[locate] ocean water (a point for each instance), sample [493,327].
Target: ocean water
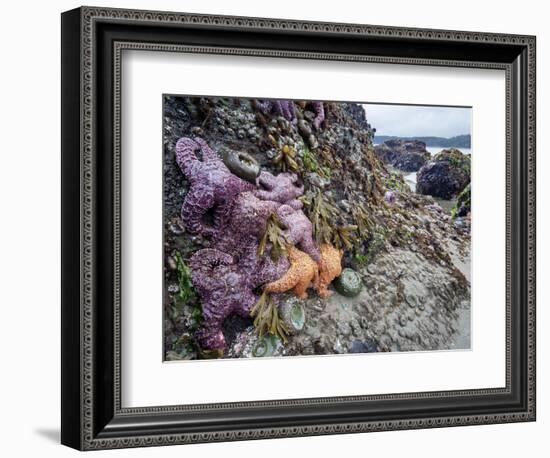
[433,150]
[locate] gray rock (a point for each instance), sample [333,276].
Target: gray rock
[358,346]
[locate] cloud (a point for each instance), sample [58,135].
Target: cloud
[420,121]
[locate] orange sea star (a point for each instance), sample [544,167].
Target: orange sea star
[330,267]
[302,271]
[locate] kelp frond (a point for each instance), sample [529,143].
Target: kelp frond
[344,236]
[327,224]
[274,235]
[186,291]
[321,214]
[362,220]
[267,318]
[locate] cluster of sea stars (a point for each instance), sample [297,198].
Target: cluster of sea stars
[227,275]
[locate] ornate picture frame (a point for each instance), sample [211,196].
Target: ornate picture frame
[93,416]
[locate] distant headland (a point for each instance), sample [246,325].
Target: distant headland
[459,141]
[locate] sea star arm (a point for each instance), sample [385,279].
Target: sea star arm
[196,204]
[208,154]
[265,106]
[295,204]
[319,114]
[186,157]
[288,281]
[292,112]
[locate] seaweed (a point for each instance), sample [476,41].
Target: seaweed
[456,159]
[210,354]
[311,162]
[267,318]
[275,235]
[327,222]
[182,348]
[344,236]
[362,220]
[329,159]
[327,172]
[308,160]
[186,291]
[361,258]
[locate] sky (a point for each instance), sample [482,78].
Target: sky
[419,121]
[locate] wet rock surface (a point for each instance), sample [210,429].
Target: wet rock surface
[412,257]
[445,176]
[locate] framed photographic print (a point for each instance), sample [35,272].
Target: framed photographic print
[277,228]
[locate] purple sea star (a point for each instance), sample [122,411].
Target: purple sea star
[389,197]
[299,230]
[246,224]
[284,108]
[283,188]
[226,287]
[319,110]
[213,186]
[220,285]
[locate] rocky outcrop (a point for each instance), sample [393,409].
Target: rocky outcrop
[405,155]
[319,183]
[445,176]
